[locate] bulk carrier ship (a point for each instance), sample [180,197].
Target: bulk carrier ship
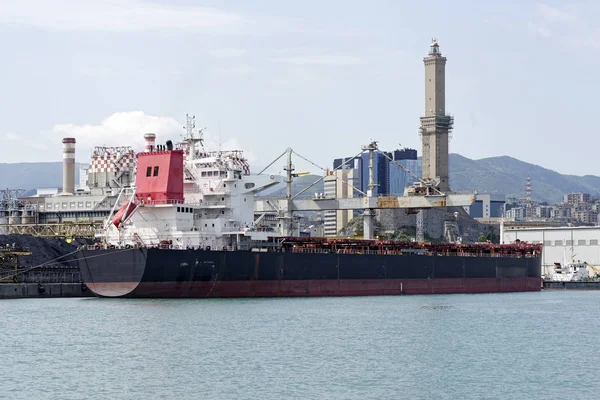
[187,230]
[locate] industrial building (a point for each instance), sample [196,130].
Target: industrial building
[560,243]
[110,169]
[339,184]
[389,177]
[78,210]
[487,206]
[400,178]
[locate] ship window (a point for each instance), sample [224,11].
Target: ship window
[88,204]
[156,171]
[569,243]
[213,225]
[593,242]
[203,173]
[244,199]
[581,243]
[558,242]
[547,242]
[149,171]
[223,212]
[178,209]
[205,225]
[209,173]
[249,185]
[222,198]
[224,185]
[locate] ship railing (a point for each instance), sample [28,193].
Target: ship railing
[401,252]
[160,202]
[213,203]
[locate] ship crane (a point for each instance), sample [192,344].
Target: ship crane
[422,195]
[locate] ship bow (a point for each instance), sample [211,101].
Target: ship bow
[113,272]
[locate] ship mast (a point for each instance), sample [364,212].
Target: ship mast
[192,138]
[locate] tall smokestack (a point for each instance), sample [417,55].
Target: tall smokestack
[68,165]
[150,139]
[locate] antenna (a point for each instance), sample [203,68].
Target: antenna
[528,197]
[190,125]
[192,138]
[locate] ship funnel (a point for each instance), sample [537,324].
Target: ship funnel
[68,165]
[169,145]
[150,139]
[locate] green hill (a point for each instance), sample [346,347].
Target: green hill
[507,176]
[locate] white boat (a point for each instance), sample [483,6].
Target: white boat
[570,272]
[574,271]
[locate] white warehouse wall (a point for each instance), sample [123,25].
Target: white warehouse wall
[580,242]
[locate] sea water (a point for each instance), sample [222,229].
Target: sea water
[485,346]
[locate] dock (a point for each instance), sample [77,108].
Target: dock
[571,285]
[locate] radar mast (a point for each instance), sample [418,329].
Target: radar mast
[192,137]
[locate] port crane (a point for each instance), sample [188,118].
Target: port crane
[425,194]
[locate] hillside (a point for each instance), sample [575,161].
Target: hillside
[29,176]
[507,176]
[300,183]
[496,175]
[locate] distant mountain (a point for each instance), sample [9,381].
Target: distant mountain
[496,175]
[504,176]
[300,183]
[30,176]
[507,176]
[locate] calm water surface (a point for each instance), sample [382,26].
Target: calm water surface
[494,346]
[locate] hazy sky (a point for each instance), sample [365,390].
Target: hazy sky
[322,77]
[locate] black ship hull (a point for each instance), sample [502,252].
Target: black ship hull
[163,273]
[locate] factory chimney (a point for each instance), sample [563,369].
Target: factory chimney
[68,165]
[150,139]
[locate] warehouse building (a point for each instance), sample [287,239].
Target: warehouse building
[560,243]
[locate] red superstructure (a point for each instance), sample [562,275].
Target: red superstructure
[159,177]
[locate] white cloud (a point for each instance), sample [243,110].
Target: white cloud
[118,16]
[553,14]
[551,21]
[227,53]
[119,129]
[332,60]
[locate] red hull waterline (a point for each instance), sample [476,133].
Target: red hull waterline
[313,288]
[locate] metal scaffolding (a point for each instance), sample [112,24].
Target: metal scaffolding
[65,230]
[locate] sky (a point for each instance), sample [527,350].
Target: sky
[321,77]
